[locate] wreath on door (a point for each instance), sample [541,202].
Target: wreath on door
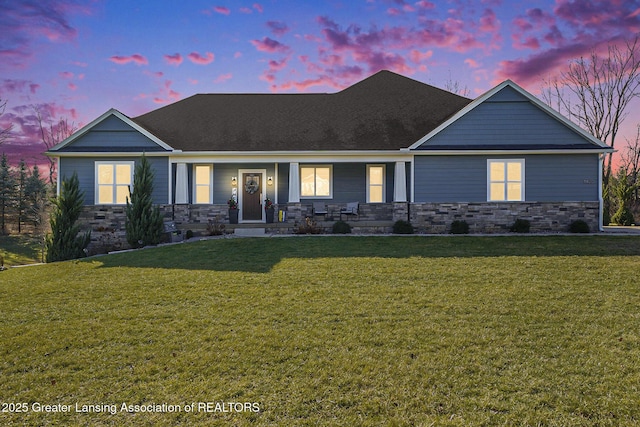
[251,185]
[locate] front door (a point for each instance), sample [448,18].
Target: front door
[252,196]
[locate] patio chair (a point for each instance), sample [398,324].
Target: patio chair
[319,208]
[352,209]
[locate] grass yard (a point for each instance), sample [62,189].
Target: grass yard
[20,249]
[459,331]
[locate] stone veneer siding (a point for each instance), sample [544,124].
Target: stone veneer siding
[107,223]
[499,217]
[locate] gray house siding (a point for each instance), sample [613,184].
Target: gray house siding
[548,178]
[112,134]
[350,182]
[85,168]
[506,120]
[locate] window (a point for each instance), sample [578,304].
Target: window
[505,180]
[375,184]
[113,180]
[315,181]
[202,180]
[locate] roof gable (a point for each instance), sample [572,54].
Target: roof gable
[111,132]
[508,118]
[383,112]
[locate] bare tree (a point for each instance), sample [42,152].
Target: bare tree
[52,134]
[630,161]
[4,133]
[596,91]
[456,87]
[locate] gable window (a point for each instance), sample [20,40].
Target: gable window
[113,180]
[315,181]
[375,184]
[202,184]
[505,180]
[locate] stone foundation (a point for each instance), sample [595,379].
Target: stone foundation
[436,218]
[107,223]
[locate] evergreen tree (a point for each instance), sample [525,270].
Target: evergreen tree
[624,193]
[36,197]
[144,222]
[7,192]
[21,200]
[64,243]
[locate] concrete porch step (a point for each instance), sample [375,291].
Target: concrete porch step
[250,232]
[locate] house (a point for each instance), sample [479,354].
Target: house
[401,148]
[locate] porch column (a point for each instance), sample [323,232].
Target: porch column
[182,185]
[400,183]
[294,183]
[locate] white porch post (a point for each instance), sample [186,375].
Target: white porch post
[294,183]
[182,185]
[400,183]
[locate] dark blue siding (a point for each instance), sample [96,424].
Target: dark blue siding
[112,134]
[85,168]
[547,178]
[507,120]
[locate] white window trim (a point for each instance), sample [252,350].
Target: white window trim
[384,182]
[330,167]
[195,184]
[522,179]
[112,163]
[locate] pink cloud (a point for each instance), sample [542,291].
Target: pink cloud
[237,55]
[135,58]
[66,75]
[258,7]
[72,86]
[175,59]
[11,86]
[278,28]
[26,23]
[426,4]
[277,65]
[472,63]
[246,10]
[166,95]
[223,78]
[196,58]
[489,22]
[417,57]
[269,45]
[155,74]
[222,10]
[304,85]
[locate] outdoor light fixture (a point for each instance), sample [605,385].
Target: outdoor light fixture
[234,181]
[270,180]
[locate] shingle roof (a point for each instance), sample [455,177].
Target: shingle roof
[383,112]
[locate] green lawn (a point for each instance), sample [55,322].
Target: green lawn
[20,249]
[457,331]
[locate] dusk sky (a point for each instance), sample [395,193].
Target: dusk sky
[76,59]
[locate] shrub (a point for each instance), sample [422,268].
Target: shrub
[341,227]
[459,227]
[144,224]
[579,226]
[63,242]
[215,227]
[623,216]
[403,227]
[309,227]
[189,234]
[520,226]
